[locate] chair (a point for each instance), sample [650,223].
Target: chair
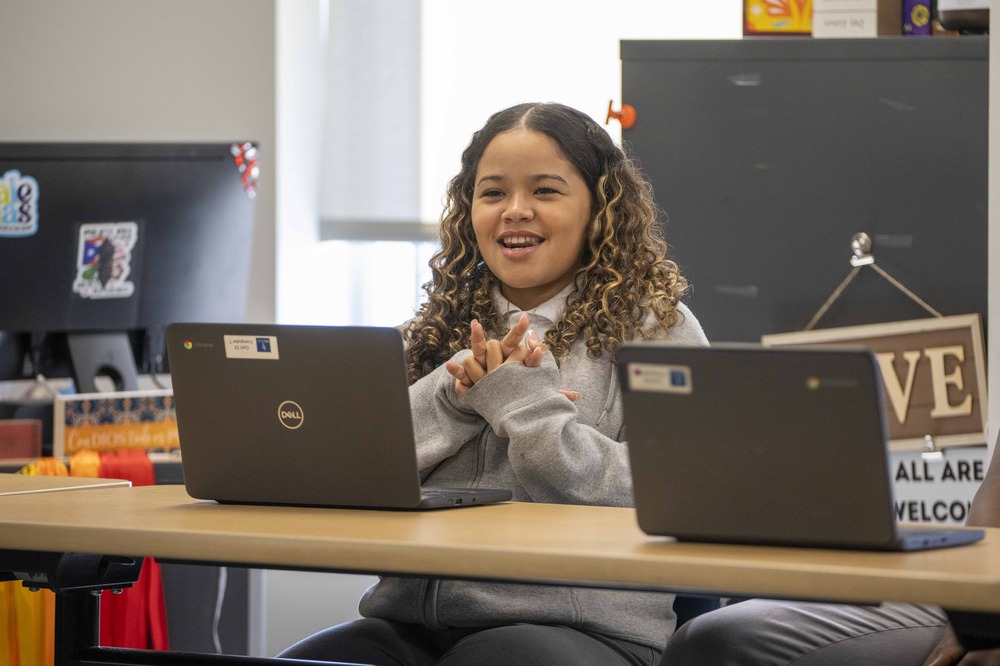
[690,606]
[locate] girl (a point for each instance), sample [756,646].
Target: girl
[549,227]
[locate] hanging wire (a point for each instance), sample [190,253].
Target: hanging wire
[861,245]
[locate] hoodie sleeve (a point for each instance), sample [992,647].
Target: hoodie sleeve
[555,458]
[441,423]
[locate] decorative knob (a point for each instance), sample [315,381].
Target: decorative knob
[626,116]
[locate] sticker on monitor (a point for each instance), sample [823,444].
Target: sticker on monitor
[104,260]
[18,205]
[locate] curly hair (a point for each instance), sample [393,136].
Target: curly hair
[623,273]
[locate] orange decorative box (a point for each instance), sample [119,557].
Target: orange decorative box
[777,17]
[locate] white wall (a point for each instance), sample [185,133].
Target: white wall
[118,70]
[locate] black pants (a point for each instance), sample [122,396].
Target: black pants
[387,643]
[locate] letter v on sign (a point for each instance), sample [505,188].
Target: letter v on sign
[899,396]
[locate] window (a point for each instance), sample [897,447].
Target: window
[408,83]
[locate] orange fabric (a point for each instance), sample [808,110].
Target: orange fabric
[28,618]
[85,463]
[10,655]
[49,630]
[45,467]
[30,608]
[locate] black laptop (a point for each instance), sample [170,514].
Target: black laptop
[303,415]
[753,445]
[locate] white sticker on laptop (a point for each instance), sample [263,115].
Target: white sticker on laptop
[251,346]
[659,378]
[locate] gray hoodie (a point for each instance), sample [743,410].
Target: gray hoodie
[515,430]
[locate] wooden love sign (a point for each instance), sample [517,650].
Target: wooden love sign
[933,371]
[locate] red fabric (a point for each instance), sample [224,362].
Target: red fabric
[136,618]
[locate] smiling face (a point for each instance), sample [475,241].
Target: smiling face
[530,211]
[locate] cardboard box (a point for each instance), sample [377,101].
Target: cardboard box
[823,6]
[857,18]
[111,421]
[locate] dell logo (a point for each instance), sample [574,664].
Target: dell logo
[290,415]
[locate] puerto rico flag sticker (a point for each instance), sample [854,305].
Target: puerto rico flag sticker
[104,260]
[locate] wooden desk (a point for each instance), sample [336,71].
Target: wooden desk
[516,542]
[19,484]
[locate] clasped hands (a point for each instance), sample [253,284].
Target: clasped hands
[488,355]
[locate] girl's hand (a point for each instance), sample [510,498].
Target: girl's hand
[950,652]
[488,355]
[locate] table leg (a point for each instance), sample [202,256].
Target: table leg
[77,624]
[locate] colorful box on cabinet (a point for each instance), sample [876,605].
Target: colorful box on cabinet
[917,19]
[777,17]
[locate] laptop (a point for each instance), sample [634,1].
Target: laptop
[301,415]
[753,445]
